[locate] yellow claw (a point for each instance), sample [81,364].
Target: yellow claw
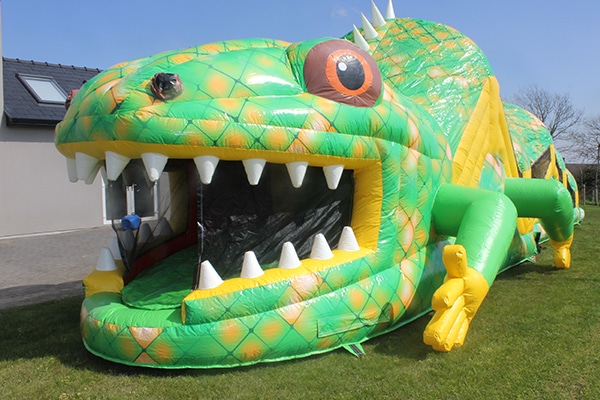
[562,253]
[455,302]
[455,260]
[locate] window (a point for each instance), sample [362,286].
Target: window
[43,88]
[132,193]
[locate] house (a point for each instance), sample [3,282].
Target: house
[586,176]
[35,193]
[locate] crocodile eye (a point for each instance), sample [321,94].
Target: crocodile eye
[166,86]
[340,71]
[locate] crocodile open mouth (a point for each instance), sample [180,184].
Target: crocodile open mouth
[240,207]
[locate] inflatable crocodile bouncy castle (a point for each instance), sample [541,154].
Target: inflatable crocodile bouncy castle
[274,200]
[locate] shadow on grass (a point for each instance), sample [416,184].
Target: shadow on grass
[527,268]
[51,329]
[404,343]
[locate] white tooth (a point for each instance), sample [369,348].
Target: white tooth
[348,241]
[206,166]
[106,262]
[103,174]
[114,248]
[289,258]
[72,170]
[92,176]
[209,278]
[115,164]
[145,234]
[369,31]
[378,19]
[155,164]
[251,268]
[87,167]
[390,13]
[254,169]
[320,249]
[297,170]
[163,228]
[128,240]
[333,173]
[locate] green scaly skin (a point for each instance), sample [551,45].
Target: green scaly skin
[248,99]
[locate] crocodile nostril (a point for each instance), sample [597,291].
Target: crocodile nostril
[166,86]
[70,96]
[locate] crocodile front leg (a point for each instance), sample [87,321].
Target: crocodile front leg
[483,223]
[550,201]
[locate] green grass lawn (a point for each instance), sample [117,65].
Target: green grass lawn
[537,335]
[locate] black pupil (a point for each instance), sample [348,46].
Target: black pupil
[350,72]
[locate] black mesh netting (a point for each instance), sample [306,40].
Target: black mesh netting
[236,217]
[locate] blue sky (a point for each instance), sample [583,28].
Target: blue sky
[554,44]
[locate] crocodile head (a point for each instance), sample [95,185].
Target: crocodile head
[259,147]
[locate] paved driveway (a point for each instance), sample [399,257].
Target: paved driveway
[34,269]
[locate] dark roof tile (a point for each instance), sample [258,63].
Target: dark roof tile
[19,104]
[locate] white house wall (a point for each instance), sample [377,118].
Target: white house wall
[35,193]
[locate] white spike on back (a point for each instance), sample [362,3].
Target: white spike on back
[297,170]
[106,262]
[206,166]
[115,164]
[320,249]
[359,40]
[72,170]
[209,277]
[378,19]
[87,167]
[155,164]
[390,13]
[288,258]
[333,174]
[254,168]
[369,31]
[251,268]
[348,241]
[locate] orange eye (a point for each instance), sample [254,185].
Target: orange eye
[340,71]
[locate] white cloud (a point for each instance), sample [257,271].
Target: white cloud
[339,12]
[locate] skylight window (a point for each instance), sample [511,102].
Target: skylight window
[43,88]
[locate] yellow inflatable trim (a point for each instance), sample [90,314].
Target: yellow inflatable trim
[104,281]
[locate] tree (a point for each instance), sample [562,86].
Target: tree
[584,143]
[584,147]
[555,110]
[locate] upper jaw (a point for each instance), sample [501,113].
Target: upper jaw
[85,168]
[111,145]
